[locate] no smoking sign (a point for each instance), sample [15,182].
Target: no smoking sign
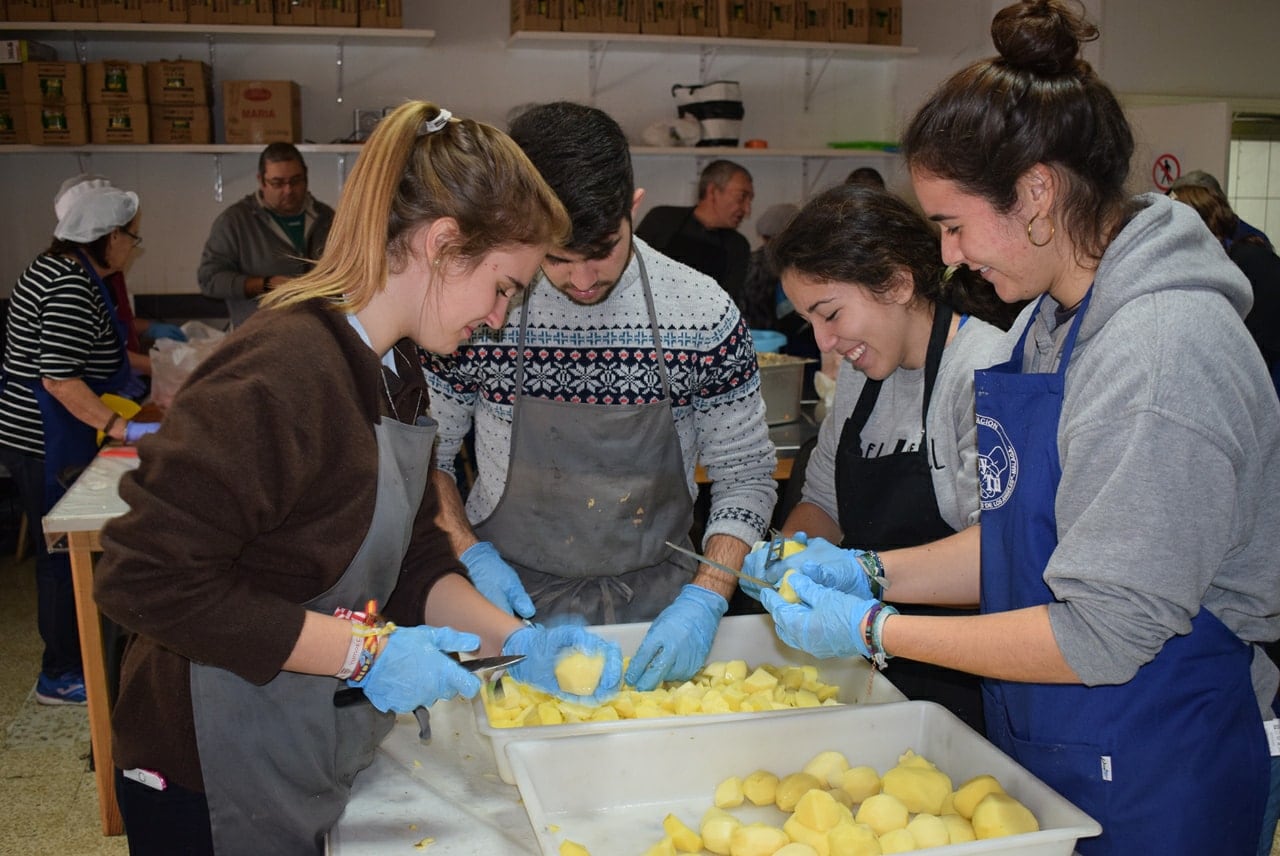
[1165,171]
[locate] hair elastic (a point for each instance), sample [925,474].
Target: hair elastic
[436,123]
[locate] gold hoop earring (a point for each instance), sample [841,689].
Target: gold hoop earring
[1033,241]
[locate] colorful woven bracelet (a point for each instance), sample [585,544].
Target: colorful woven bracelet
[870,561]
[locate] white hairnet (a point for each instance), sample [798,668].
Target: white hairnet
[89,206]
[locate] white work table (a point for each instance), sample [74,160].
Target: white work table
[447,790]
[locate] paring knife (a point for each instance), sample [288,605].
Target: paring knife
[719,567]
[482,666]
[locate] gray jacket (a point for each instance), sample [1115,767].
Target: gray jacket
[1169,440]
[246,241]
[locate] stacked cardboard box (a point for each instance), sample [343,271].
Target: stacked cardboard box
[164,11]
[778,19]
[209,11]
[581,16]
[385,14]
[849,19]
[29,10]
[700,18]
[661,17]
[180,93]
[120,11]
[75,10]
[296,13]
[253,12]
[262,111]
[53,95]
[338,13]
[117,94]
[536,15]
[885,23]
[620,16]
[13,117]
[813,20]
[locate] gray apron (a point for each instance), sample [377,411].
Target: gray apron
[279,760]
[593,491]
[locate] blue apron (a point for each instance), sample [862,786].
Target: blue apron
[69,444]
[1172,761]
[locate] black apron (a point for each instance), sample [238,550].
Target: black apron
[279,760]
[593,494]
[888,502]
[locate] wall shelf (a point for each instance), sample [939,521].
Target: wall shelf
[817,55]
[230,33]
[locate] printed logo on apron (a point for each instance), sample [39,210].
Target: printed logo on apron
[998,466]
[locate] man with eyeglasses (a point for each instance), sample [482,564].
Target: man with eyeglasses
[706,236]
[266,238]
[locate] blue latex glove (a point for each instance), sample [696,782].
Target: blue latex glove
[413,671]
[135,431]
[846,572]
[161,330]
[826,622]
[496,580]
[544,646]
[678,641]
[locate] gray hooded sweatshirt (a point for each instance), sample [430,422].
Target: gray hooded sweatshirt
[1169,440]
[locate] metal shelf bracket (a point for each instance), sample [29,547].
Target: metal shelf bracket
[811,78]
[706,59]
[339,69]
[595,62]
[217,178]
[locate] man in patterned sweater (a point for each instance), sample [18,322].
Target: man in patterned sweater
[619,373]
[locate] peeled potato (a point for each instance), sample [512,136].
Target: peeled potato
[959,829]
[785,589]
[853,839]
[898,841]
[579,673]
[757,839]
[792,787]
[682,837]
[921,789]
[828,767]
[883,813]
[998,815]
[795,848]
[662,848]
[760,787]
[572,848]
[968,795]
[818,810]
[728,793]
[717,830]
[860,782]
[797,831]
[928,830]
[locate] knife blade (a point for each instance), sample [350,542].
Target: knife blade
[719,567]
[482,666]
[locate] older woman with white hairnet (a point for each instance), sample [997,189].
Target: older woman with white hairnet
[64,347]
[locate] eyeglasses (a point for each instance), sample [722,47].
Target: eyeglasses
[282,183]
[137,239]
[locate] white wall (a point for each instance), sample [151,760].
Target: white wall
[470,69]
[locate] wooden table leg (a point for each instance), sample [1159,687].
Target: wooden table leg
[81,545]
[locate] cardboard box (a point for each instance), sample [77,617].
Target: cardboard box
[700,18]
[779,19]
[383,14]
[661,17]
[620,16]
[813,20]
[25,50]
[849,20]
[119,124]
[164,11]
[742,19]
[52,83]
[179,81]
[75,10]
[209,11]
[120,11]
[10,84]
[115,81]
[13,125]
[885,23]
[57,124]
[536,14]
[176,125]
[258,13]
[29,10]
[338,13]
[580,16]
[295,13]
[262,111]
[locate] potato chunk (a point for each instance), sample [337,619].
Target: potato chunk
[860,782]
[757,839]
[717,830]
[760,787]
[921,789]
[572,848]
[998,815]
[969,794]
[818,810]
[728,793]
[579,673]
[928,830]
[785,589]
[853,839]
[662,848]
[792,787]
[682,837]
[827,767]
[883,813]
[897,841]
[959,829]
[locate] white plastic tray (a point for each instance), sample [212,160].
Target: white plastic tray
[610,791]
[740,637]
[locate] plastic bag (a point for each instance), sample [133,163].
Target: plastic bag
[716,105]
[172,362]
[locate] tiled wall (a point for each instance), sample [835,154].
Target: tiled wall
[1253,185]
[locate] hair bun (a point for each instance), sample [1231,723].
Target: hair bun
[1041,36]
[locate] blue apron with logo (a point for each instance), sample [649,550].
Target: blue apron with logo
[1172,761]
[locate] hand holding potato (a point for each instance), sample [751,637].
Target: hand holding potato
[545,647]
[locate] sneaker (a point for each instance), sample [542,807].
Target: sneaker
[66,689]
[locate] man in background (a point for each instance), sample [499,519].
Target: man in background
[705,236]
[1200,178]
[266,238]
